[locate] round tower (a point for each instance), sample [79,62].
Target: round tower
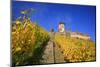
[61,27]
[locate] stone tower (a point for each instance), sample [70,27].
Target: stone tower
[61,27]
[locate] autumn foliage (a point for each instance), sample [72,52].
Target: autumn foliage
[28,42]
[76,50]
[25,42]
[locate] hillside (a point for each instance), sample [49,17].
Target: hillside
[76,50]
[28,43]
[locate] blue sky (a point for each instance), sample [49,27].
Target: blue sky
[78,18]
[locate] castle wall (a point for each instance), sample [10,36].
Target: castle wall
[80,36]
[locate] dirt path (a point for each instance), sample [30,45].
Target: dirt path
[48,56]
[52,54]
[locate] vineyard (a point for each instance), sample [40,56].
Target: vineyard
[27,43]
[29,40]
[76,50]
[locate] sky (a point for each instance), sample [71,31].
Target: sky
[77,18]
